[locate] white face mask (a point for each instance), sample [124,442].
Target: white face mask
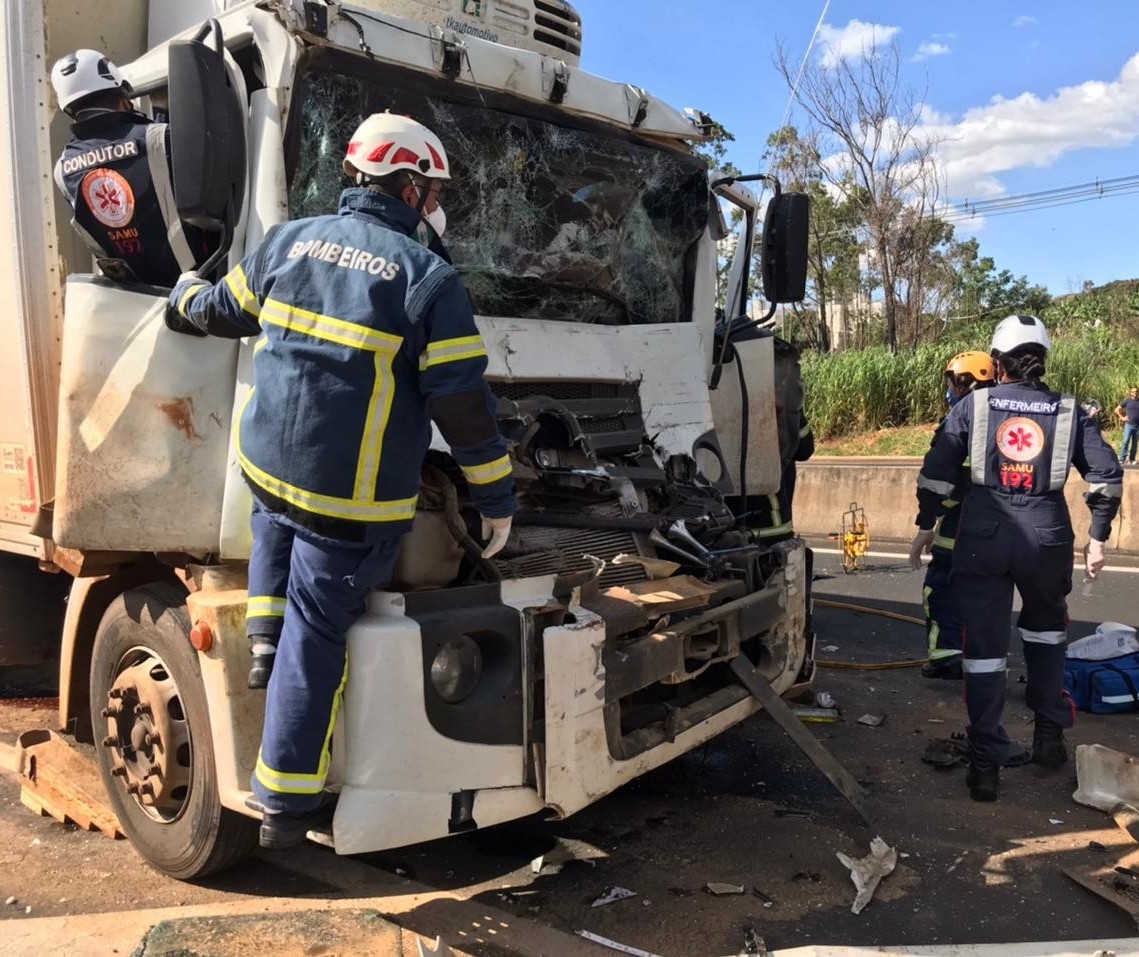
[437,220]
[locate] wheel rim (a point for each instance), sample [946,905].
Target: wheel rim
[148,736]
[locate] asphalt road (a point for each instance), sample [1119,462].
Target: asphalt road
[967,873]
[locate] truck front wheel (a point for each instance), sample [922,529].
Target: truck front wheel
[152,735]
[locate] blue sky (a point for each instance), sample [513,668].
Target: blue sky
[1028,96]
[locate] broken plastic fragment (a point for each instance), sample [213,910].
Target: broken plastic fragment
[612,894]
[867,872]
[721,889]
[872,720]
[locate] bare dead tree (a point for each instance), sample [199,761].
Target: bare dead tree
[880,159]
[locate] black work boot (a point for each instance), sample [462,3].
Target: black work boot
[1048,747]
[264,652]
[948,669]
[983,778]
[283,829]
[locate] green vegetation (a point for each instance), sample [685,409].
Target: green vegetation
[1095,356]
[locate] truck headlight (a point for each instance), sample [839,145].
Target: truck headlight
[456,670]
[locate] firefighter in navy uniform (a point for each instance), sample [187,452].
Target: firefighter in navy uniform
[1015,531]
[115,174]
[965,372]
[365,337]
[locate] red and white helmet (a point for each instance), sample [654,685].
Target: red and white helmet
[386,143]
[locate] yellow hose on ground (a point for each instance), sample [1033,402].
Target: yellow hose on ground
[869,666]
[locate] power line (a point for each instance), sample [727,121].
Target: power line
[1042,199]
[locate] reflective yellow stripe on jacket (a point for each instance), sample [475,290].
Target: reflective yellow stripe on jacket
[361,507]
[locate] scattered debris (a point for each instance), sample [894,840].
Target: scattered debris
[1105,778]
[945,753]
[611,894]
[872,720]
[1127,817]
[824,699]
[720,889]
[817,715]
[813,876]
[440,949]
[10,901]
[1096,846]
[867,872]
[754,944]
[680,892]
[1054,820]
[566,851]
[935,721]
[784,811]
[28,909]
[613,945]
[829,648]
[1113,880]
[768,900]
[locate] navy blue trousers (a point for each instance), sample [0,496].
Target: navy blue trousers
[268,575]
[328,583]
[942,616]
[1026,545]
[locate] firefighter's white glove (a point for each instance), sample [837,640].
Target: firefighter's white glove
[191,274]
[1094,557]
[921,543]
[498,531]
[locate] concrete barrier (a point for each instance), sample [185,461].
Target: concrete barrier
[886,489]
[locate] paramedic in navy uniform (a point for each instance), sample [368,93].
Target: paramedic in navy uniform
[1021,440]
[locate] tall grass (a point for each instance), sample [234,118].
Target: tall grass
[868,389]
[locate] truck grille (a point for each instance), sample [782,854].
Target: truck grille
[559,551]
[558,24]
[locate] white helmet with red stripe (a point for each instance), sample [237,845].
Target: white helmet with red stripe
[386,143]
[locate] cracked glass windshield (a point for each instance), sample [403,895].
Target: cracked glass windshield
[543,221]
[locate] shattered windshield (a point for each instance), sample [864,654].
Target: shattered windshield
[544,221]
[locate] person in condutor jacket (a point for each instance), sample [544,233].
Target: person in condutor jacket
[115,174]
[1021,440]
[365,337]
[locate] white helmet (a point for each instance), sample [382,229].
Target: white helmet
[385,143]
[82,73]
[1015,331]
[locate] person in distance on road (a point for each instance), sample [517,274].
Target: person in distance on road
[1021,440]
[1127,412]
[964,373]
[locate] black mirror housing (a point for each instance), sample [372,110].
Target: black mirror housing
[785,248]
[207,135]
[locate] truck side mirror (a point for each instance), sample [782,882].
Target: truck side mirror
[785,248]
[207,136]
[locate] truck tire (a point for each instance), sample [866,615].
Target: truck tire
[153,738]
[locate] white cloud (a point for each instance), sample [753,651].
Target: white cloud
[855,40]
[1032,131]
[926,50]
[1024,20]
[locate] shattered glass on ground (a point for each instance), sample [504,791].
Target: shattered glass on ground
[544,222]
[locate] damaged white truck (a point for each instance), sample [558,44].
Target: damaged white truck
[597,645]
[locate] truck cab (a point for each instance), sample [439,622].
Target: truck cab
[597,645]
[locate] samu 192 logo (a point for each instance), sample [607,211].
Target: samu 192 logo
[473,8]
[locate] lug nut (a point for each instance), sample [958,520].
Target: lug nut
[142,709]
[154,769]
[118,772]
[147,788]
[110,741]
[132,788]
[115,693]
[153,740]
